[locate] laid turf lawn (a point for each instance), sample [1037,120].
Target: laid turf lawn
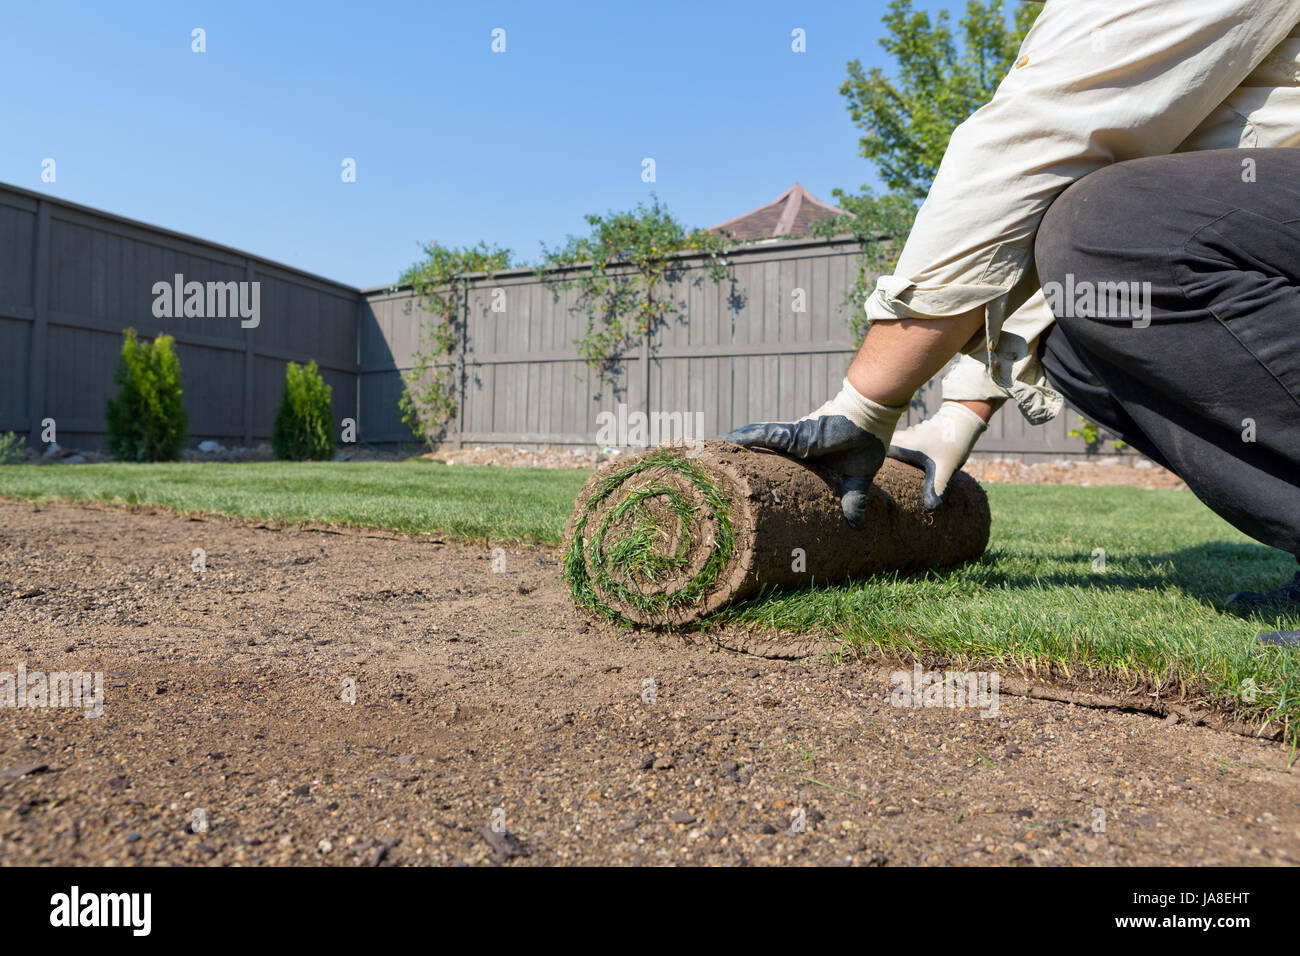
[1042,600]
[477,503]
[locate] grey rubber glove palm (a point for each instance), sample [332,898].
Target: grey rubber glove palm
[940,445]
[849,434]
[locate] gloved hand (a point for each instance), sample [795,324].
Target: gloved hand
[940,445]
[849,434]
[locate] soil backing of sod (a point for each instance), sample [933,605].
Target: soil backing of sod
[672,535]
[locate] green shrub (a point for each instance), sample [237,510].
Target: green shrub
[11,448]
[147,421]
[304,422]
[1091,435]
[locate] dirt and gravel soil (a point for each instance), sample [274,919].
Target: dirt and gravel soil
[1135,472]
[481,699]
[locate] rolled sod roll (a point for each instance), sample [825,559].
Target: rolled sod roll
[669,536]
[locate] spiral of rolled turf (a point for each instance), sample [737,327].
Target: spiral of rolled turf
[671,535]
[650,539]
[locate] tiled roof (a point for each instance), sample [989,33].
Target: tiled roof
[790,214]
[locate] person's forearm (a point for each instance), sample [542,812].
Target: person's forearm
[898,356]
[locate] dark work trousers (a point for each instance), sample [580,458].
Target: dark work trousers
[1200,368]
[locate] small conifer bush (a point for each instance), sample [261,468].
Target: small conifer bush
[303,424]
[147,420]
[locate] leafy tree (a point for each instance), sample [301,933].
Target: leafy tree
[908,120]
[147,420]
[304,422]
[619,270]
[429,399]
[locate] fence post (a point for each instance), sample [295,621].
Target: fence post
[358,332]
[249,366]
[645,359]
[460,368]
[36,367]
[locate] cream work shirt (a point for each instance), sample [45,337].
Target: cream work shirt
[1095,82]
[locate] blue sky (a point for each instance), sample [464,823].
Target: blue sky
[244,144]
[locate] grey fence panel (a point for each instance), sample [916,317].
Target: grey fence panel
[18,234]
[390,336]
[728,353]
[72,279]
[15,346]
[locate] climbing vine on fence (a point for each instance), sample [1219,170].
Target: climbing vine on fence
[618,269]
[439,281]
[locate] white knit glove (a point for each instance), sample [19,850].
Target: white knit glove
[940,445]
[849,433]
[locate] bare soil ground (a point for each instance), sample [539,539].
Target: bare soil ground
[481,696]
[1135,472]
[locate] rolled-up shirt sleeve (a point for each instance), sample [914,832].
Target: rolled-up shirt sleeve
[1095,82]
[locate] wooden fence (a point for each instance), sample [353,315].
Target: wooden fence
[72,278]
[770,342]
